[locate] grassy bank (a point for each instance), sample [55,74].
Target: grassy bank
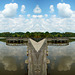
[71,40]
[3,40]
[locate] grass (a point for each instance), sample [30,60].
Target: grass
[3,40]
[71,40]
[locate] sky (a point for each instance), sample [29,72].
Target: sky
[37,15]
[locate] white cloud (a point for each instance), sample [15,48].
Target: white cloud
[37,9]
[52,24]
[23,8]
[64,10]
[21,16]
[34,16]
[40,16]
[37,16]
[28,15]
[10,10]
[73,15]
[46,15]
[39,22]
[51,8]
[53,16]
[1,15]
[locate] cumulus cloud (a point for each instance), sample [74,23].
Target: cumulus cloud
[21,16]
[23,8]
[1,15]
[10,10]
[73,15]
[46,15]
[40,16]
[64,10]
[37,9]
[39,22]
[53,16]
[34,16]
[52,24]
[37,16]
[51,8]
[28,15]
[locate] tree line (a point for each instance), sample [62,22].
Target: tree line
[37,34]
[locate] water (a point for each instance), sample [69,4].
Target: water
[12,60]
[62,59]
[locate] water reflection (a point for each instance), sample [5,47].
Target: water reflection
[9,63]
[65,63]
[62,59]
[12,58]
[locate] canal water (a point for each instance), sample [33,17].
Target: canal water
[62,59]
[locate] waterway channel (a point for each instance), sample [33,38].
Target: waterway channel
[62,59]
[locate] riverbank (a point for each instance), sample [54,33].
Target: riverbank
[2,37]
[71,37]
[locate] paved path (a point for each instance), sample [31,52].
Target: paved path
[37,61]
[37,45]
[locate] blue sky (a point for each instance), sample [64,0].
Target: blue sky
[44,4]
[37,15]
